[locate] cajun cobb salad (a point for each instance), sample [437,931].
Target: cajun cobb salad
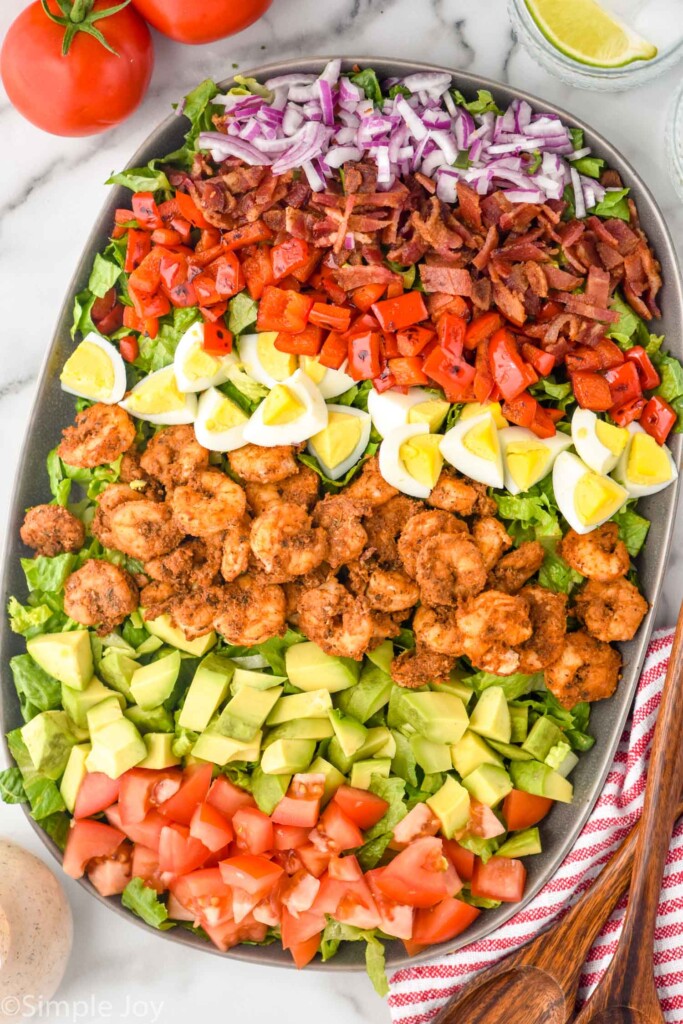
[341,539]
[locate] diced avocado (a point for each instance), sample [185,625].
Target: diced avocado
[150,719]
[489,784]
[511,752]
[285,757]
[301,729]
[314,704]
[208,689]
[333,778]
[363,771]
[49,737]
[172,635]
[309,668]
[244,715]
[114,642]
[370,693]
[456,688]
[543,735]
[268,790]
[149,645]
[439,717]
[74,773]
[382,656]
[431,757]
[211,746]
[521,844]
[104,712]
[519,720]
[152,684]
[451,805]
[491,715]
[540,779]
[159,752]
[77,703]
[256,680]
[117,670]
[116,747]
[562,759]
[66,657]
[350,734]
[388,748]
[470,752]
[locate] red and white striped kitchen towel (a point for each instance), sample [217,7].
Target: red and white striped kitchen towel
[418,992]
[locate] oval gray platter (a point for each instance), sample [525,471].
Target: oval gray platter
[53,409]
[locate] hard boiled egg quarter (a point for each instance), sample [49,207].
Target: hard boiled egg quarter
[95,370]
[393,409]
[598,443]
[157,399]
[527,458]
[410,460]
[263,361]
[292,412]
[220,422]
[340,444]
[330,383]
[195,368]
[585,498]
[644,467]
[473,447]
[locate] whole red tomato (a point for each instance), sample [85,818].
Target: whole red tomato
[87,89]
[201,21]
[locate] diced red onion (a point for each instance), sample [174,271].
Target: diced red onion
[415,125]
[579,153]
[579,203]
[348,92]
[301,93]
[430,81]
[384,174]
[342,155]
[432,161]
[525,195]
[292,120]
[287,81]
[331,72]
[315,179]
[446,144]
[349,241]
[326,102]
[222,146]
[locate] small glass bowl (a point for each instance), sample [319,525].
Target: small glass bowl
[583,76]
[674,143]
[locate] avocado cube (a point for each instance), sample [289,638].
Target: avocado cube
[368,696]
[382,656]
[116,747]
[66,657]
[519,722]
[363,771]
[73,776]
[510,751]
[451,805]
[268,790]
[456,688]
[104,712]
[244,715]
[350,734]
[309,668]
[163,628]
[152,684]
[150,645]
[491,715]
[159,751]
[541,780]
[543,735]
[313,704]
[150,719]
[285,757]
[431,757]
[489,784]
[77,703]
[388,748]
[219,749]
[439,717]
[521,844]
[562,759]
[117,669]
[301,729]
[471,751]
[49,738]
[208,689]
[333,778]
[257,680]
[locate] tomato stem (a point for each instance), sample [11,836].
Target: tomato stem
[79,16]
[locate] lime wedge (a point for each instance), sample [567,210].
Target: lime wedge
[584,31]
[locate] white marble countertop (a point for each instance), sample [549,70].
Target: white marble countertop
[50,192]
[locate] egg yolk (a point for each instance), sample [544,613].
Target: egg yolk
[281,406]
[200,363]
[225,415]
[476,409]
[156,394]
[278,365]
[89,369]
[482,440]
[647,461]
[312,368]
[614,438]
[432,412]
[422,458]
[338,439]
[597,497]
[527,462]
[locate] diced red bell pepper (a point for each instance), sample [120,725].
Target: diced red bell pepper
[205,289]
[107,312]
[390,344]
[510,372]
[146,305]
[123,219]
[258,270]
[365,296]
[304,272]
[166,236]
[404,311]
[146,277]
[334,351]
[450,331]
[411,340]
[543,424]
[217,338]
[215,312]
[592,391]
[658,418]
[481,328]
[138,246]
[304,343]
[289,255]
[627,413]
[334,318]
[581,357]
[229,275]
[146,211]
[129,348]
[624,384]
[190,211]
[649,378]
[454,375]
[283,310]
[384,381]
[408,372]
[209,238]
[131,320]
[520,410]
[182,227]
[609,354]
[394,289]
[365,355]
[484,384]
[542,362]
[250,234]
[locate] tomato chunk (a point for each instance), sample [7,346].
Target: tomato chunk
[180,852]
[211,828]
[88,839]
[253,830]
[95,793]
[522,810]
[336,831]
[255,874]
[360,805]
[462,859]
[226,797]
[501,878]
[420,875]
[443,921]
[182,805]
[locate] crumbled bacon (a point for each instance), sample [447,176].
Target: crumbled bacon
[451,280]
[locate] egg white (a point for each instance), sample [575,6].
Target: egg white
[193,339]
[170,417]
[620,473]
[588,445]
[554,445]
[216,440]
[312,420]
[333,382]
[251,361]
[567,472]
[390,409]
[391,465]
[335,472]
[485,471]
[119,367]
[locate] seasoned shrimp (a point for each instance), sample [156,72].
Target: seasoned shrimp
[194,612]
[173,456]
[599,555]
[100,594]
[142,529]
[464,497]
[514,569]
[109,499]
[342,625]
[421,526]
[370,486]
[449,567]
[548,614]
[302,488]
[235,549]
[257,465]
[286,543]
[156,598]
[101,433]
[208,503]
[611,611]
[492,625]
[417,668]
[384,525]
[340,518]
[390,590]
[437,630]
[251,612]
[51,530]
[586,670]
[491,538]
[196,561]
[295,588]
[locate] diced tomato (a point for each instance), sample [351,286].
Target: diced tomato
[228,798]
[418,822]
[542,362]
[141,789]
[407,371]
[461,859]
[295,930]
[365,355]
[412,948]
[349,902]
[521,409]
[228,275]
[138,246]
[625,414]
[190,211]
[420,875]
[658,418]
[111,876]
[95,793]
[335,831]
[289,255]
[481,327]
[510,372]
[255,874]
[182,805]
[454,375]
[249,234]
[592,391]
[366,296]
[609,354]
[361,806]
[404,311]
[88,839]
[313,859]
[299,892]
[253,830]
[624,384]
[395,918]
[230,934]
[483,822]
[217,338]
[146,867]
[258,270]
[303,952]
[205,895]
[334,318]
[501,878]
[450,331]
[304,343]
[522,810]
[443,921]
[289,837]
[146,211]
[649,377]
[211,828]
[129,348]
[297,812]
[179,852]
[147,832]
[283,310]
[345,869]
